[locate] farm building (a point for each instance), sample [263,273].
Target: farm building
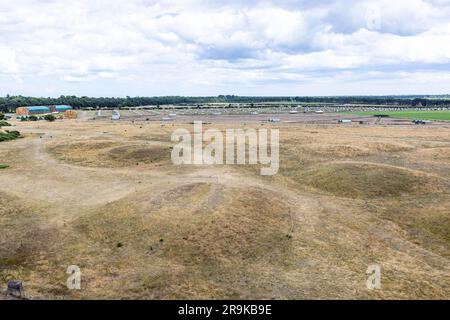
[34,110]
[60,108]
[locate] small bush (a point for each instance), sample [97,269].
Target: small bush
[2,116]
[32,118]
[49,117]
[3,166]
[9,135]
[4,124]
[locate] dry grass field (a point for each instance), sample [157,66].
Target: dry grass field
[106,197]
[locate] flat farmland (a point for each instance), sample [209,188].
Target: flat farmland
[419,115]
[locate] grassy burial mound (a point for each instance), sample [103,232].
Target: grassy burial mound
[369,180]
[24,235]
[110,153]
[435,154]
[335,151]
[131,154]
[191,240]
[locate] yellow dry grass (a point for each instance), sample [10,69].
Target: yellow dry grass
[345,198]
[369,180]
[110,153]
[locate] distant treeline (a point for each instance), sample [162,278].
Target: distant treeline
[10,103]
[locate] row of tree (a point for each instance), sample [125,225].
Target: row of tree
[10,103]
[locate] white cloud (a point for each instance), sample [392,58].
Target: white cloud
[8,62]
[144,47]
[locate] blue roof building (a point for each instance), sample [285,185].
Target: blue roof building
[62,108]
[38,110]
[29,110]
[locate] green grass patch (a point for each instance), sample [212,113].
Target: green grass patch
[3,166]
[4,124]
[419,115]
[9,135]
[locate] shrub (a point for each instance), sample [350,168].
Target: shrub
[49,117]
[32,118]
[3,166]
[4,124]
[2,116]
[9,135]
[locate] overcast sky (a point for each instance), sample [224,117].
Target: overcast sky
[194,47]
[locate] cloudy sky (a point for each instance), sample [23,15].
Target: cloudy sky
[196,47]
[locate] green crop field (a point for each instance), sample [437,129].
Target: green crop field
[419,115]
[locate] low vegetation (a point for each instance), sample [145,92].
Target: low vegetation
[9,135]
[4,124]
[49,117]
[3,166]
